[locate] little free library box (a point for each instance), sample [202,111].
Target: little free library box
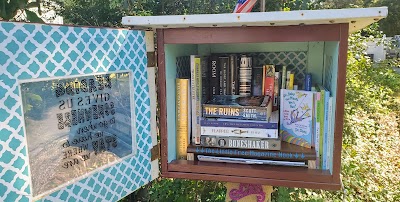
[78,104]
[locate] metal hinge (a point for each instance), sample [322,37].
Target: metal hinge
[155,152]
[151,59]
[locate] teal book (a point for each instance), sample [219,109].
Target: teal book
[296,117]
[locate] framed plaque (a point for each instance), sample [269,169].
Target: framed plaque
[77,125]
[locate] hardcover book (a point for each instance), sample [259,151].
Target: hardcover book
[296,117]
[240,142]
[239,107]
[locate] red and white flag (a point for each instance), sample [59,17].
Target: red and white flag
[244,6]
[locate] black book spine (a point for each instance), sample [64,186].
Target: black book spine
[224,82]
[205,85]
[233,75]
[214,72]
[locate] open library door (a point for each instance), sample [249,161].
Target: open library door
[77,113]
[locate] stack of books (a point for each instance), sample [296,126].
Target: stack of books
[238,113]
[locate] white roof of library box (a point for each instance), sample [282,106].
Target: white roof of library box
[358,18]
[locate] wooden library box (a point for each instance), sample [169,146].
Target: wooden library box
[312,42]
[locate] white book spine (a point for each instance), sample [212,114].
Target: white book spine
[330,142]
[239,132]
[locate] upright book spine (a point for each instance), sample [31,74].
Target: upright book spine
[233,75]
[245,71]
[283,86]
[196,97]
[205,84]
[276,92]
[214,76]
[224,82]
[257,81]
[182,117]
[307,82]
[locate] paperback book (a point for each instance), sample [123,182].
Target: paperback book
[296,117]
[239,107]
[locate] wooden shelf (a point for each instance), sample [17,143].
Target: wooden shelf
[262,174]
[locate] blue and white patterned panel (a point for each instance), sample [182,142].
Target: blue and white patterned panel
[30,51]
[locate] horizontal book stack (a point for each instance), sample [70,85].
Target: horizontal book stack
[242,113]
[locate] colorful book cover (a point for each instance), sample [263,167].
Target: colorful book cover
[182,117]
[239,107]
[296,117]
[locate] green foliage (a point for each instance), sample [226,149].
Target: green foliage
[9,9]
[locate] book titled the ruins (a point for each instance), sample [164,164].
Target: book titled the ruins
[239,107]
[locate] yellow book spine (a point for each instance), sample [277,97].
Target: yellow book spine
[182,117]
[291,81]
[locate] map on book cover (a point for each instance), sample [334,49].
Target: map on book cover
[296,117]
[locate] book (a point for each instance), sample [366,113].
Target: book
[233,75]
[240,142]
[239,107]
[182,117]
[283,86]
[317,122]
[205,84]
[195,85]
[307,82]
[237,123]
[276,92]
[324,119]
[287,79]
[245,70]
[258,81]
[287,152]
[269,82]
[330,141]
[250,161]
[296,117]
[214,72]
[224,75]
[291,82]
[239,132]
